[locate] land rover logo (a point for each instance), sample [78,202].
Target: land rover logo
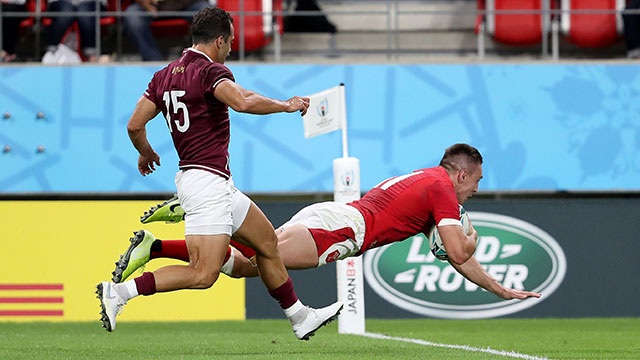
[517,254]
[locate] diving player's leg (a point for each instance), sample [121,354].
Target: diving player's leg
[297,247]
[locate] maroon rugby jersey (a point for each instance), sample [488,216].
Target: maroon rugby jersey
[199,123]
[406,205]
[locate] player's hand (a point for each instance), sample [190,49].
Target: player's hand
[518,294]
[297,103]
[147,163]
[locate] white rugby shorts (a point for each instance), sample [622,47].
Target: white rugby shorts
[240,208]
[331,217]
[211,203]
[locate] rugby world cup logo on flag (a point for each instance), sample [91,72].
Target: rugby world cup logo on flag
[517,254]
[323,107]
[347,178]
[322,121]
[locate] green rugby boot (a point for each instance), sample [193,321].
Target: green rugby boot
[169,211]
[136,256]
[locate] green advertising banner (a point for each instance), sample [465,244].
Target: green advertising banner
[516,253]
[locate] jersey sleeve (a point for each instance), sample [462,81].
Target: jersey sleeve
[444,205]
[213,75]
[150,93]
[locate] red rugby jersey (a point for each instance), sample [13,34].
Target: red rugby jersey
[406,205]
[199,123]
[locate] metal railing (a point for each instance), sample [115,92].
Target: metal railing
[391,11]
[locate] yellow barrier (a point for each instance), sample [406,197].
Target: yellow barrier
[54,253]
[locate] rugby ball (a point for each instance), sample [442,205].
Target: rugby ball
[435,243]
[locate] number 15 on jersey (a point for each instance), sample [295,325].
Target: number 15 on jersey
[171,98]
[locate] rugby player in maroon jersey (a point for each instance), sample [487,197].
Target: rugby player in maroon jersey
[194,93]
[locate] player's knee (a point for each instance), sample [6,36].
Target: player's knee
[206,279]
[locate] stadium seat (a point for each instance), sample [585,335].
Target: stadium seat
[258,29]
[590,29]
[512,29]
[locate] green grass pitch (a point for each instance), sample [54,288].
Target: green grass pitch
[273,339]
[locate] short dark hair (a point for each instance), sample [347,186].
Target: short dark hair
[458,156]
[209,24]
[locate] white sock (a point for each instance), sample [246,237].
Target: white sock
[296,312]
[127,290]
[227,268]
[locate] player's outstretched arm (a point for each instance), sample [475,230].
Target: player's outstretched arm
[145,111]
[473,271]
[246,101]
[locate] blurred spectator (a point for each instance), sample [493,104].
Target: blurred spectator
[308,23]
[60,24]
[139,25]
[11,28]
[632,30]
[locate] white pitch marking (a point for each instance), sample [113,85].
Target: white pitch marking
[511,354]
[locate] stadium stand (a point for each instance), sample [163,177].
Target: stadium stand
[258,29]
[29,24]
[375,30]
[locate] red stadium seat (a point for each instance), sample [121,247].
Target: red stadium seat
[257,28]
[589,29]
[512,29]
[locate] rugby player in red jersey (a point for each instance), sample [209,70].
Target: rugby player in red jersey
[392,211]
[194,93]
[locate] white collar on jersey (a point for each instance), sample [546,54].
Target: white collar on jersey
[200,52]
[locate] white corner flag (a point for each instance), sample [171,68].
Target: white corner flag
[324,114]
[328,112]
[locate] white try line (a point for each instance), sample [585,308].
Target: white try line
[511,354]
